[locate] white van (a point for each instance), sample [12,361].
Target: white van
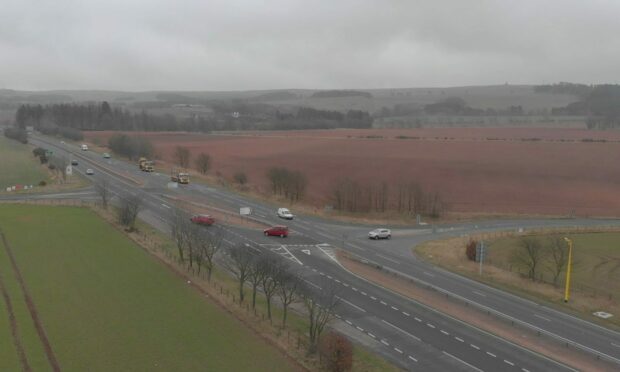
[285,213]
[84,148]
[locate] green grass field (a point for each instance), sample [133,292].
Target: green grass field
[18,165]
[596,260]
[107,305]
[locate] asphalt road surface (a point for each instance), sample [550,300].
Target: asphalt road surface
[408,333]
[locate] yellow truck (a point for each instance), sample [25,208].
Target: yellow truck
[146,165]
[179,176]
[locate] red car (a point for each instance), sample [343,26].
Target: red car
[203,219]
[281,231]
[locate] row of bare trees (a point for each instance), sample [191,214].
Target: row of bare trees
[406,197]
[183,157]
[535,254]
[288,183]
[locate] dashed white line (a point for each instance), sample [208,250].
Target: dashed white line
[412,358]
[525,370]
[312,284]
[474,346]
[374,298]
[542,317]
[345,284]
[348,322]
[371,335]
[388,259]
[616,345]
[479,293]
[329,277]
[385,343]
[401,330]
[459,339]
[509,362]
[406,314]
[353,288]
[322,274]
[351,304]
[314,270]
[398,350]
[337,281]
[417,319]
[491,354]
[363,293]
[383,303]
[429,274]
[359,328]
[430,325]
[394,308]
[444,332]
[462,361]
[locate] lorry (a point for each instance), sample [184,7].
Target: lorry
[146,165]
[179,176]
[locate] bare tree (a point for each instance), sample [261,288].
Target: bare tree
[558,253]
[182,156]
[273,267]
[241,267]
[529,255]
[240,178]
[102,188]
[321,309]
[259,270]
[203,162]
[208,245]
[179,222]
[129,209]
[289,286]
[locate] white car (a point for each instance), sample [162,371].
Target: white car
[84,147]
[285,213]
[90,172]
[106,155]
[380,234]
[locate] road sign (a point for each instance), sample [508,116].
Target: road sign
[306,251]
[245,211]
[69,170]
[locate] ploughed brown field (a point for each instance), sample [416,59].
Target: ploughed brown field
[486,170]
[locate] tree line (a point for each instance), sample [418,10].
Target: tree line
[131,147]
[17,134]
[405,197]
[287,183]
[102,116]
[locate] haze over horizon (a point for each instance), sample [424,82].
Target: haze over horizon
[221,46]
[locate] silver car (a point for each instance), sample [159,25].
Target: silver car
[380,234]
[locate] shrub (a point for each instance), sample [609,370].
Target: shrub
[240,178]
[336,352]
[470,249]
[42,183]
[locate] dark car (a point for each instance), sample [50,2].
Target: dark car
[74,162]
[203,219]
[281,231]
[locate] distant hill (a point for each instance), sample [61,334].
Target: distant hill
[340,93]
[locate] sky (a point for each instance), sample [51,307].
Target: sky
[142,45]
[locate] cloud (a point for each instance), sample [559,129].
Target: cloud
[237,45]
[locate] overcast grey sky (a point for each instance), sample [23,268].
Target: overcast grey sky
[238,45]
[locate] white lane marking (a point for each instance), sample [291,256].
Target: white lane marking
[348,322]
[474,346]
[359,328]
[491,354]
[444,332]
[329,277]
[371,335]
[374,298]
[323,235]
[525,370]
[616,345]
[430,325]
[417,319]
[292,256]
[350,304]
[459,339]
[429,274]
[398,350]
[509,362]
[412,358]
[383,303]
[388,259]
[165,206]
[229,242]
[345,284]
[394,308]
[401,330]
[355,246]
[353,288]
[323,274]
[542,317]
[479,293]
[363,293]
[312,284]
[406,314]
[385,343]
[462,361]
[314,270]
[337,281]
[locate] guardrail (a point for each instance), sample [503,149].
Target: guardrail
[488,310]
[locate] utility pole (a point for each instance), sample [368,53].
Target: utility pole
[569,267]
